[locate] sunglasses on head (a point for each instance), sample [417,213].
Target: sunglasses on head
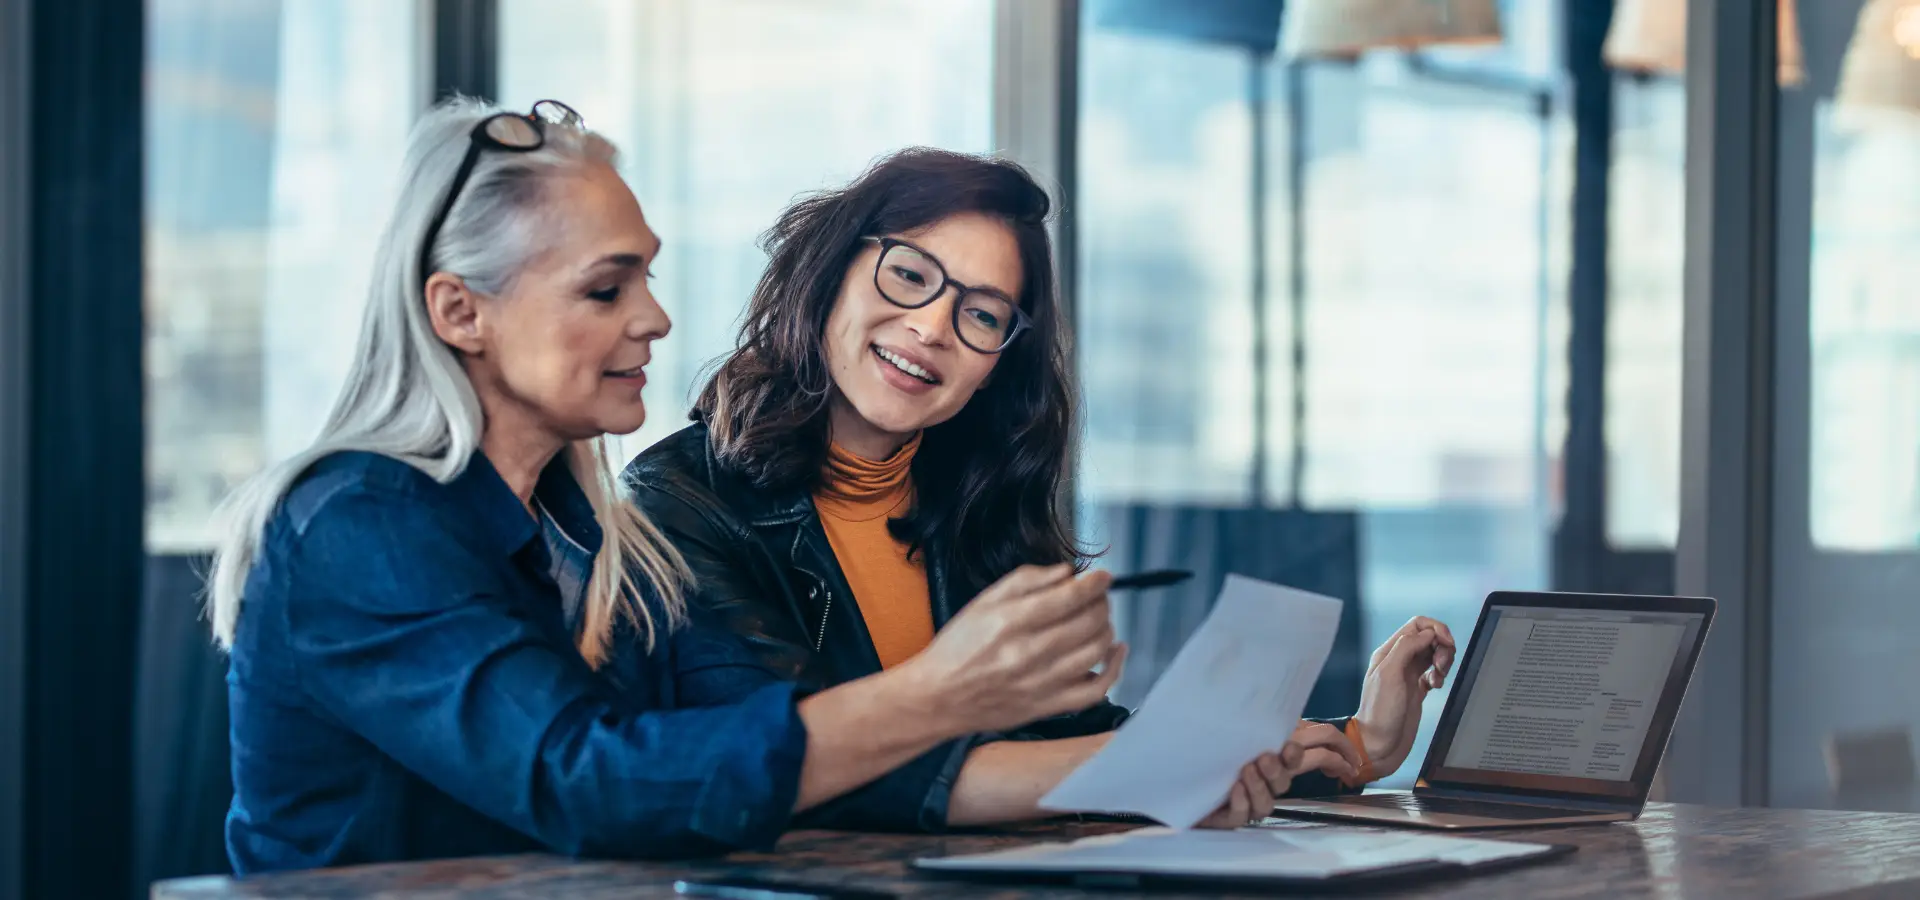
[506,132]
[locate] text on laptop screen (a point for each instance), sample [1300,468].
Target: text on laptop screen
[1565,699]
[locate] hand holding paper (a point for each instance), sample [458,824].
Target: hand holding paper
[1235,691]
[1314,746]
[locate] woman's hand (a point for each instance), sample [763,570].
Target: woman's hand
[1313,747]
[1411,663]
[1025,649]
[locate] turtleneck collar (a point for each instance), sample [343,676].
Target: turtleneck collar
[855,488]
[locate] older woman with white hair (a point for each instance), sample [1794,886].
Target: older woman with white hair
[427,609]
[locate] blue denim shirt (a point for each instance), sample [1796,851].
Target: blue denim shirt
[404,685]
[712,665]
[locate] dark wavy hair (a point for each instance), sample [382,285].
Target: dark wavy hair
[987,481]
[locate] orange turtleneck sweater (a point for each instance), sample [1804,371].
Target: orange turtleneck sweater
[856,498]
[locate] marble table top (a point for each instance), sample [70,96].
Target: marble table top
[1672,851]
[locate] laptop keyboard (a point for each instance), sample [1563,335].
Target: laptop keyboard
[1510,811]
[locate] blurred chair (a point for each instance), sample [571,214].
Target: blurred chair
[181,781]
[1307,549]
[1872,770]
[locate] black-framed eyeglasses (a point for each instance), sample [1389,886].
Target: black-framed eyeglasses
[986,319]
[506,132]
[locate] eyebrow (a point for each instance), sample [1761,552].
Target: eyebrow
[973,288]
[993,291]
[618,261]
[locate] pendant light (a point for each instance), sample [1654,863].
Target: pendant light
[1882,68]
[1346,28]
[1651,36]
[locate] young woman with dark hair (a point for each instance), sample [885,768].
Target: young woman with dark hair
[890,437]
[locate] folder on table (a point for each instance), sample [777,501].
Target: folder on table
[1306,857]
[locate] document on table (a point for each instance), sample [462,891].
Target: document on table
[1235,691]
[1318,853]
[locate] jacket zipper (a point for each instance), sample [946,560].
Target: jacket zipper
[820,637]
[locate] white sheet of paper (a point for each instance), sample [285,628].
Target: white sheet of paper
[1316,853]
[1235,690]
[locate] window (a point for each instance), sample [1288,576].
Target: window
[1865,338]
[1165,302]
[1403,211]
[274,130]
[725,110]
[1844,556]
[1429,265]
[1435,272]
[1646,248]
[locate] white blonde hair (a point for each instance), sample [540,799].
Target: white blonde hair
[407,395]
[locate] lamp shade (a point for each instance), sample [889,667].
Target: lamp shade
[1647,36]
[1882,69]
[1350,27]
[1651,36]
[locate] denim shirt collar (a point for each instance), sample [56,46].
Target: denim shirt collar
[560,495]
[499,515]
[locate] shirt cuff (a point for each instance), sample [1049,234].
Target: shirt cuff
[749,795]
[1314,784]
[934,806]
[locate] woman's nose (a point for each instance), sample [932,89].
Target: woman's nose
[933,323]
[650,322]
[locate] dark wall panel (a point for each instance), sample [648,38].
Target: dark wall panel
[15,50]
[83,478]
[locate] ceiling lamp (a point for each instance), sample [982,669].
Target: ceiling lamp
[1651,36]
[1882,69]
[1346,28]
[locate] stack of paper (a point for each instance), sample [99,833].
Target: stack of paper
[1235,691]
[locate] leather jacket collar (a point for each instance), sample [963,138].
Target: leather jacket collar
[762,563]
[781,529]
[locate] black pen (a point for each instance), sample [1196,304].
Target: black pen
[1151,579]
[747,887]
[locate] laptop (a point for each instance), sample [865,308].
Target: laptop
[1560,712]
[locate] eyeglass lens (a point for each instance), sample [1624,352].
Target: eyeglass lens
[556,113]
[909,278]
[513,131]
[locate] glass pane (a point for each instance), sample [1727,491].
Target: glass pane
[1165,300]
[1646,246]
[1846,566]
[724,110]
[1429,278]
[1165,309]
[1426,261]
[274,130]
[1865,338]
[1435,267]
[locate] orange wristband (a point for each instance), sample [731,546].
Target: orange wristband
[1365,774]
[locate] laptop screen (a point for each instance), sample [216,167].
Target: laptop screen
[1574,699]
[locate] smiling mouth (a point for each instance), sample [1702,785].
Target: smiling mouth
[898,362]
[634,372]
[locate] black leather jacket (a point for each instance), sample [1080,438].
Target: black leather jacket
[762,563]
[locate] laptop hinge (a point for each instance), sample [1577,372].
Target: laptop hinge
[1589,806]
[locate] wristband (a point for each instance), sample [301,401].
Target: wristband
[1365,773]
